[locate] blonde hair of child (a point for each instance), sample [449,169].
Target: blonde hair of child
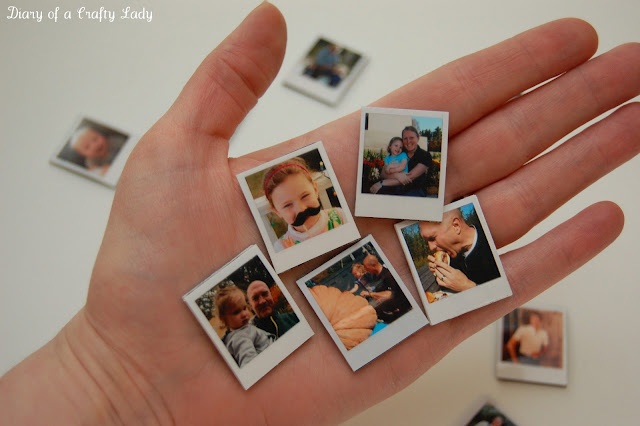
[393,139]
[228,298]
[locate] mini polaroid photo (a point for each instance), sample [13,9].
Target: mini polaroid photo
[299,207]
[395,144]
[532,345]
[246,301]
[95,150]
[327,71]
[463,280]
[489,415]
[362,302]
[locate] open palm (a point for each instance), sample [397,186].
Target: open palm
[179,214]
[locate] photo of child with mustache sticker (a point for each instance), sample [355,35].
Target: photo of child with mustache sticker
[293,195]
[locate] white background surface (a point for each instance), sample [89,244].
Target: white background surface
[127,73]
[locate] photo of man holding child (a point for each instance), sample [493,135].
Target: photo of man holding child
[249,315]
[363,275]
[362,302]
[402,167]
[248,311]
[402,155]
[359,287]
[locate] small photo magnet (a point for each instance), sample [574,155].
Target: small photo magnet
[299,207]
[454,263]
[94,150]
[532,345]
[326,71]
[249,315]
[402,164]
[362,302]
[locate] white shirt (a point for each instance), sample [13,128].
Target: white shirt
[531,341]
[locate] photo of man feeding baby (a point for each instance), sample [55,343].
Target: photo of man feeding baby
[249,315]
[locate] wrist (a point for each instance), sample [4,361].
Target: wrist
[76,378]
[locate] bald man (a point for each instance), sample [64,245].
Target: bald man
[472,261]
[263,305]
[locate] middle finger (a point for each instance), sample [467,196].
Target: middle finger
[524,127]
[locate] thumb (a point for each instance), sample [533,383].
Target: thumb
[234,76]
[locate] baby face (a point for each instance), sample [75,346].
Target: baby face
[358,272]
[92,144]
[396,147]
[295,200]
[238,314]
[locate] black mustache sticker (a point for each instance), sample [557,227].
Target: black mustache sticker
[304,215]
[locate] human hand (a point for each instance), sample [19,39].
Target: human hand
[452,278]
[381,296]
[135,354]
[403,178]
[431,263]
[375,187]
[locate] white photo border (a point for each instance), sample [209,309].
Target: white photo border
[313,247]
[386,206]
[460,303]
[507,370]
[112,176]
[386,338]
[250,373]
[319,90]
